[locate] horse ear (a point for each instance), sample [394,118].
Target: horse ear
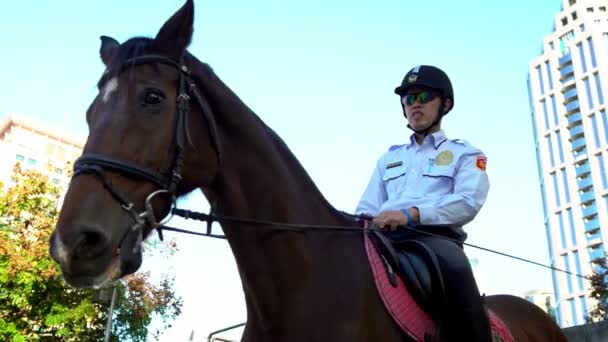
[176,34]
[109,47]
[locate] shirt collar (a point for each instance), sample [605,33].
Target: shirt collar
[436,139]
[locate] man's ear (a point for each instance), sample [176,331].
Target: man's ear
[447,106]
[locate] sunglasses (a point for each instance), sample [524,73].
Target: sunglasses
[422,97]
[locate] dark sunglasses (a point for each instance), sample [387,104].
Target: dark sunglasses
[422,97]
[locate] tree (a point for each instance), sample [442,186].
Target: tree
[599,291]
[37,305]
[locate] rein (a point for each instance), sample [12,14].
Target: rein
[303,228]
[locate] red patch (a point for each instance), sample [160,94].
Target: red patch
[482,162]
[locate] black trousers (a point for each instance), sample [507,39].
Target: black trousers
[465,317]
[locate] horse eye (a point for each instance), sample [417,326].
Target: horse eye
[153,97]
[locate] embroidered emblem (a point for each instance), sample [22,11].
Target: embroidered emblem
[395,164]
[412,78]
[482,162]
[444,158]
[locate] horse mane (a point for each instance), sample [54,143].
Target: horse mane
[139,46]
[201,70]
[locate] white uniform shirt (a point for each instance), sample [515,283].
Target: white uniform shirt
[445,179]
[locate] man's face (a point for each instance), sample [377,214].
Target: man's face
[421,107]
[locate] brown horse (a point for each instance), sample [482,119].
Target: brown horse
[164,124]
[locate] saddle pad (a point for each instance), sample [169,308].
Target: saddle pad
[403,308]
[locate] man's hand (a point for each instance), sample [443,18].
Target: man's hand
[390,219]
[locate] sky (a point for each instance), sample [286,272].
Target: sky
[321,74]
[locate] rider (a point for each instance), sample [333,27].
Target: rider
[437,185]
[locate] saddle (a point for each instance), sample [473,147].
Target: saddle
[417,266]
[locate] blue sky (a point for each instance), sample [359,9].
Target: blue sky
[322,74]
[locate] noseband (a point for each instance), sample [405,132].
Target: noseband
[167,181]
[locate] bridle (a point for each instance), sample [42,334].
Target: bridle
[167,181]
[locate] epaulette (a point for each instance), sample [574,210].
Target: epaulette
[394,147]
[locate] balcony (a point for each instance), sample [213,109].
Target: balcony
[584,183]
[572,106]
[592,225]
[566,71]
[570,95]
[574,119]
[590,211]
[568,81]
[566,58]
[583,170]
[587,196]
[578,144]
[576,131]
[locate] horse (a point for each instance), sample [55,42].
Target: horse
[164,124]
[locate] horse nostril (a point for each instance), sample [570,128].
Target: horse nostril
[90,245]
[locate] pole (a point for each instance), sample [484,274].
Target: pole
[110,312]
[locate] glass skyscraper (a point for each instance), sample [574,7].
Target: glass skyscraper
[567,87]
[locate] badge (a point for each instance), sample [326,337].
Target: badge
[395,164]
[444,158]
[482,162]
[412,78]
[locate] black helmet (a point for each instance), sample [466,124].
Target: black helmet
[430,77]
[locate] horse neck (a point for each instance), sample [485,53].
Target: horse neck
[261,179]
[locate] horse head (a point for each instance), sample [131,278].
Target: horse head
[138,156]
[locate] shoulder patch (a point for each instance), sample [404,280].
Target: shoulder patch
[461,142]
[482,162]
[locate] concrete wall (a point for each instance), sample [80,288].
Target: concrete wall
[594,332]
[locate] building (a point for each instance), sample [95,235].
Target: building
[36,147]
[567,87]
[544,299]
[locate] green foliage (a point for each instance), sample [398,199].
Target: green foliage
[599,291]
[36,304]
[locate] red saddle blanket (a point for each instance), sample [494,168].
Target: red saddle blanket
[405,311]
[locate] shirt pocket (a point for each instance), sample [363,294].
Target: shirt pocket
[439,180]
[394,180]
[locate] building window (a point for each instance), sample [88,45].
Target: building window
[574,313]
[564,21]
[596,134]
[554,107]
[545,113]
[560,146]
[58,171]
[19,158]
[605,123]
[590,9]
[56,181]
[540,80]
[574,16]
[32,162]
[589,95]
[544,195]
[602,9]
[566,187]
[600,160]
[572,227]
[556,190]
[591,52]
[562,230]
[582,55]
[577,264]
[550,150]
[583,302]
[549,77]
[596,252]
[567,275]
[598,86]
